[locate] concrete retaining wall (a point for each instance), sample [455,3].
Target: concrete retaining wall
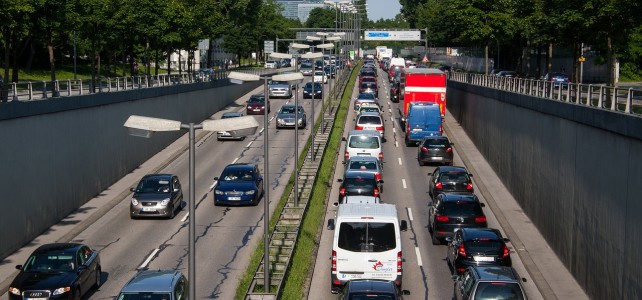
[576,172]
[57,154]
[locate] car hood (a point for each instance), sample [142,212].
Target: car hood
[280,86]
[235,185]
[43,281]
[151,196]
[289,116]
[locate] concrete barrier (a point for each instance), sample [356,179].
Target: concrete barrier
[58,154]
[576,171]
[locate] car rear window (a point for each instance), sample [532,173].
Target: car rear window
[461,208]
[371,295]
[369,120]
[362,165]
[366,142]
[498,290]
[435,143]
[144,296]
[483,246]
[459,177]
[358,182]
[367,236]
[369,109]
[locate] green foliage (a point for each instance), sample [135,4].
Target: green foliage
[321,18]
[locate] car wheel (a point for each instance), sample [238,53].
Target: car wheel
[98,279]
[76,295]
[172,212]
[450,163]
[407,142]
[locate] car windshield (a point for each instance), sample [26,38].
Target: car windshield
[372,120]
[256,100]
[371,295]
[362,165]
[498,290]
[144,296]
[289,110]
[278,83]
[463,208]
[367,142]
[366,97]
[237,175]
[153,185]
[49,263]
[459,177]
[367,236]
[306,66]
[317,85]
[319,73]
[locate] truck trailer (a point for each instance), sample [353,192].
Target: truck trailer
[422,85]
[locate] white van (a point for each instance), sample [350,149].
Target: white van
[363,143]
[366,244]
[397,61]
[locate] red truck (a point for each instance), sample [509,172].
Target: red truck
[422,85]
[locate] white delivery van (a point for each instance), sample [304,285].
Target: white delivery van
[366,244]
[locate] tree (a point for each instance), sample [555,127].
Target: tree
[321,18]
[13,28]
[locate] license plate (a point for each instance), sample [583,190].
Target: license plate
[257,110]
[351,276]
[438,158]
[483,258]
[144,209]
[417,130]
[363,154]
[233,198]
[35,298]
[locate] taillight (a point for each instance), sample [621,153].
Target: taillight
[439,185]
[357,127]
[408,128]
[448,150]
[461,250]
[424,149]
[469,186]
[334,262]
[441,130]
[481,219]
[441,218]
[399,263]
[506,252]
[378,176]
[376,192]
[380,156]
[379,128]
[347,155]
[342,192]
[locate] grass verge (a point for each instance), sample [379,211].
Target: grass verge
[257,255]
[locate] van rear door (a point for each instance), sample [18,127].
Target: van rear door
[367,250]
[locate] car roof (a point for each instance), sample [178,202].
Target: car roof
[459,197]
[152,281]
[159,176]
[495,273]
[481,233]
[363,158]
[239,166]
[372,285]
[58,248]
[435,138]
[369,113]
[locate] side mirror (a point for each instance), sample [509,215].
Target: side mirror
[405,292]
[404,225]
[506,240]
[482,204]
[429,174]
[339,180]
[524,279]
[454,277]
[132,189]
[335,204]
[471,175]
[430,204]
[343,139]
[380,180]
[19,267]
[215,178]
[82,268]
[452,144]
[330,224]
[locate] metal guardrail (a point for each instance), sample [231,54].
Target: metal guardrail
[599,96]
[42,90]
[284,237]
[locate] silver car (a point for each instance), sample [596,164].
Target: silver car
[306,69]
[156,195]
[155,284]
[286,117]
[279,89]
[224,135]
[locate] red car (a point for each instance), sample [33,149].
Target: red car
[256,105]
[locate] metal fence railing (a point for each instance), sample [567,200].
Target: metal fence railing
[624,100]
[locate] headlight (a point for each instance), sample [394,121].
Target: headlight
[250,192]
[164,202]
[218,192]
[280,121]
[61,290]
[134,201]
[14,291]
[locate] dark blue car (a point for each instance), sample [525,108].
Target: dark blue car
[239,184]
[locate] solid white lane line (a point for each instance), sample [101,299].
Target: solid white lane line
[149,258]
[403,181]
[236,159]
[185,218]
[213,184]
[261,131]
[249,144]
[396,144]
[410,214]
[418,256]
[400,161]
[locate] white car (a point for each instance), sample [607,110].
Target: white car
[271,64]
[320,76]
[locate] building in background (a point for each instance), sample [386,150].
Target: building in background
[298,9]
[305,8]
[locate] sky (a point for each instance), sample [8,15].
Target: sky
[386,9]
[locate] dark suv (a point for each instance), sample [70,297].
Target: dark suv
[359,183]
[489,283]
[435,149]
[371,289]
[477,247]
[450,211]
[450,179]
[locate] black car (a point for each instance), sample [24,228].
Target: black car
[57,271]
[318,65]
[308,92]
[489,283]
[477,247]
[451,211]
[449,179]
[239,184]
[395,92]
[156,195]
[359,183]
[435,149]
[371,289]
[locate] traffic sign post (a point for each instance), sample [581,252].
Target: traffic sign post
[268,47]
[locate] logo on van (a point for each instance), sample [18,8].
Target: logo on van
[378,266]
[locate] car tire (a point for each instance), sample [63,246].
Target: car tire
[76,294]
[98,281]
[421,163]
[172,212]
[435,240]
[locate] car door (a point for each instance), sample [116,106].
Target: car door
[451,255]
[258,180]
[177,194]
[431,211]
[433,180]
[83,270]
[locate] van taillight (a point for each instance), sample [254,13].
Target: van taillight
[469,186]
[439,185]
[399,263]
[506,252]
[424,149]
[347,155]
[441,218]
[441,130]
[381,156]
[376,192]
[342,192]
[448,150]
[378,176]
[334,262]
[481,219]
[379,128]
[357,127]
[461,250]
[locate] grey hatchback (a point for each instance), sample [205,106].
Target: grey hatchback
[155,285]
[489,283]
[435,149]
[156,195]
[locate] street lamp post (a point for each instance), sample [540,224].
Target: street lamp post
[296,129]
[292,78]
[146,126]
